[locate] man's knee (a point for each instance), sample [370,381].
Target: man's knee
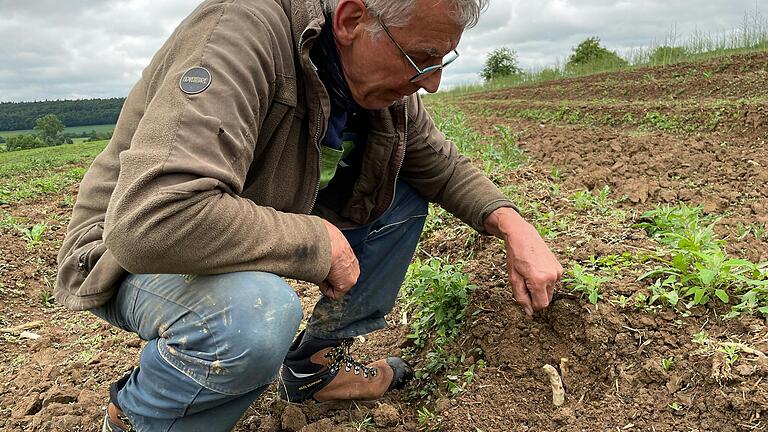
[261,325]
[244,339]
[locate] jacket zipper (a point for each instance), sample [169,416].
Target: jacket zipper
[317,131]
[319,156]
[402,159]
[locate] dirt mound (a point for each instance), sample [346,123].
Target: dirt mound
[737,76]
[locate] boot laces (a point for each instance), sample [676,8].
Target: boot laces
[341,357]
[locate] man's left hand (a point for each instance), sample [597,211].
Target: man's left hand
[532,268]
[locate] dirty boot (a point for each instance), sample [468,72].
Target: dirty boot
[114,419]
[323,370]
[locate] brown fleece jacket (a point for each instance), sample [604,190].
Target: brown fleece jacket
[224,180]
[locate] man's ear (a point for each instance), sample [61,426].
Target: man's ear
[349,20]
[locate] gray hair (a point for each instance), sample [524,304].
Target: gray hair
[398,13]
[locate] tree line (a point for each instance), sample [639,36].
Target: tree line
[502,62]
[86,112]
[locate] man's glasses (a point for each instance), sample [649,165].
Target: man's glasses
[421,74]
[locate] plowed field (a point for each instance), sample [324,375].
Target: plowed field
[599,152]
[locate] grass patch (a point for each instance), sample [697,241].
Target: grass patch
[27,174]
[498,154]
[20,162]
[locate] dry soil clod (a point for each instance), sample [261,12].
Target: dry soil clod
[558,394]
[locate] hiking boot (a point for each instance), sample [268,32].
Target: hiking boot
[323,370]
[114,419]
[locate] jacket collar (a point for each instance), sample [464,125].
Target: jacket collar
[307,19]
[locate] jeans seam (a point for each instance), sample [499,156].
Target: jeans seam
[186,410]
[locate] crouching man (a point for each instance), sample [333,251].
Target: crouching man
[273,139]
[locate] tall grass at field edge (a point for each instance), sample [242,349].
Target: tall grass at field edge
[751,36]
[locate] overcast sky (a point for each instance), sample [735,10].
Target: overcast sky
[71,49]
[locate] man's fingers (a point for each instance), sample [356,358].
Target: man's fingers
[326,289]
[540,295]
[520,291]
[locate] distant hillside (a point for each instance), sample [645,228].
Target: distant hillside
[22,115]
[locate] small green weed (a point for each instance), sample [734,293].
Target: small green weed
[33,236]
[695,265]
[730,353]
[435,299]
[664,122]
[46,299]
[621,301]
[667,363]
[758,231]
[457,383]
[363,424]
[435,296]
[8,221]
[585,283]
[585,200]
[428,420]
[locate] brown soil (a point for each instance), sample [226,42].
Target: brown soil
[742,76]
[614,380]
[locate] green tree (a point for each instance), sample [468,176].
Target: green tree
[23,142]
[590,53]
[48,128]
[499,63]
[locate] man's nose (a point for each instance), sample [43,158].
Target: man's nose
[432,82]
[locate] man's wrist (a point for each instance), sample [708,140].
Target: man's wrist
[502,221]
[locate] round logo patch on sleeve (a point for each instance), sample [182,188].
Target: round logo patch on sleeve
[195,80]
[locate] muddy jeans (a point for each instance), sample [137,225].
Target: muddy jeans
[215,343]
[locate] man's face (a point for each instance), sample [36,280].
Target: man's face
[377,72]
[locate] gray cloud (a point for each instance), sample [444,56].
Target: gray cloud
[96,48]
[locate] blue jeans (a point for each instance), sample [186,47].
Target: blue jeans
[215,343]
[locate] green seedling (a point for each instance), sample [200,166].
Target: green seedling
[674,406]
[426,417]
[666,363]
[730,353]
[46,299]
[555,174]
[33,236]
[363,424]
[621,301]
[586,284]
[8,221]
[585,200]
[554,190]
[701,338]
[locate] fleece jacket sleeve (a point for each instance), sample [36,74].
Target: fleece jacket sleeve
[434,166]
[175,208]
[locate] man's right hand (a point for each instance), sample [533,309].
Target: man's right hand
[344,266]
